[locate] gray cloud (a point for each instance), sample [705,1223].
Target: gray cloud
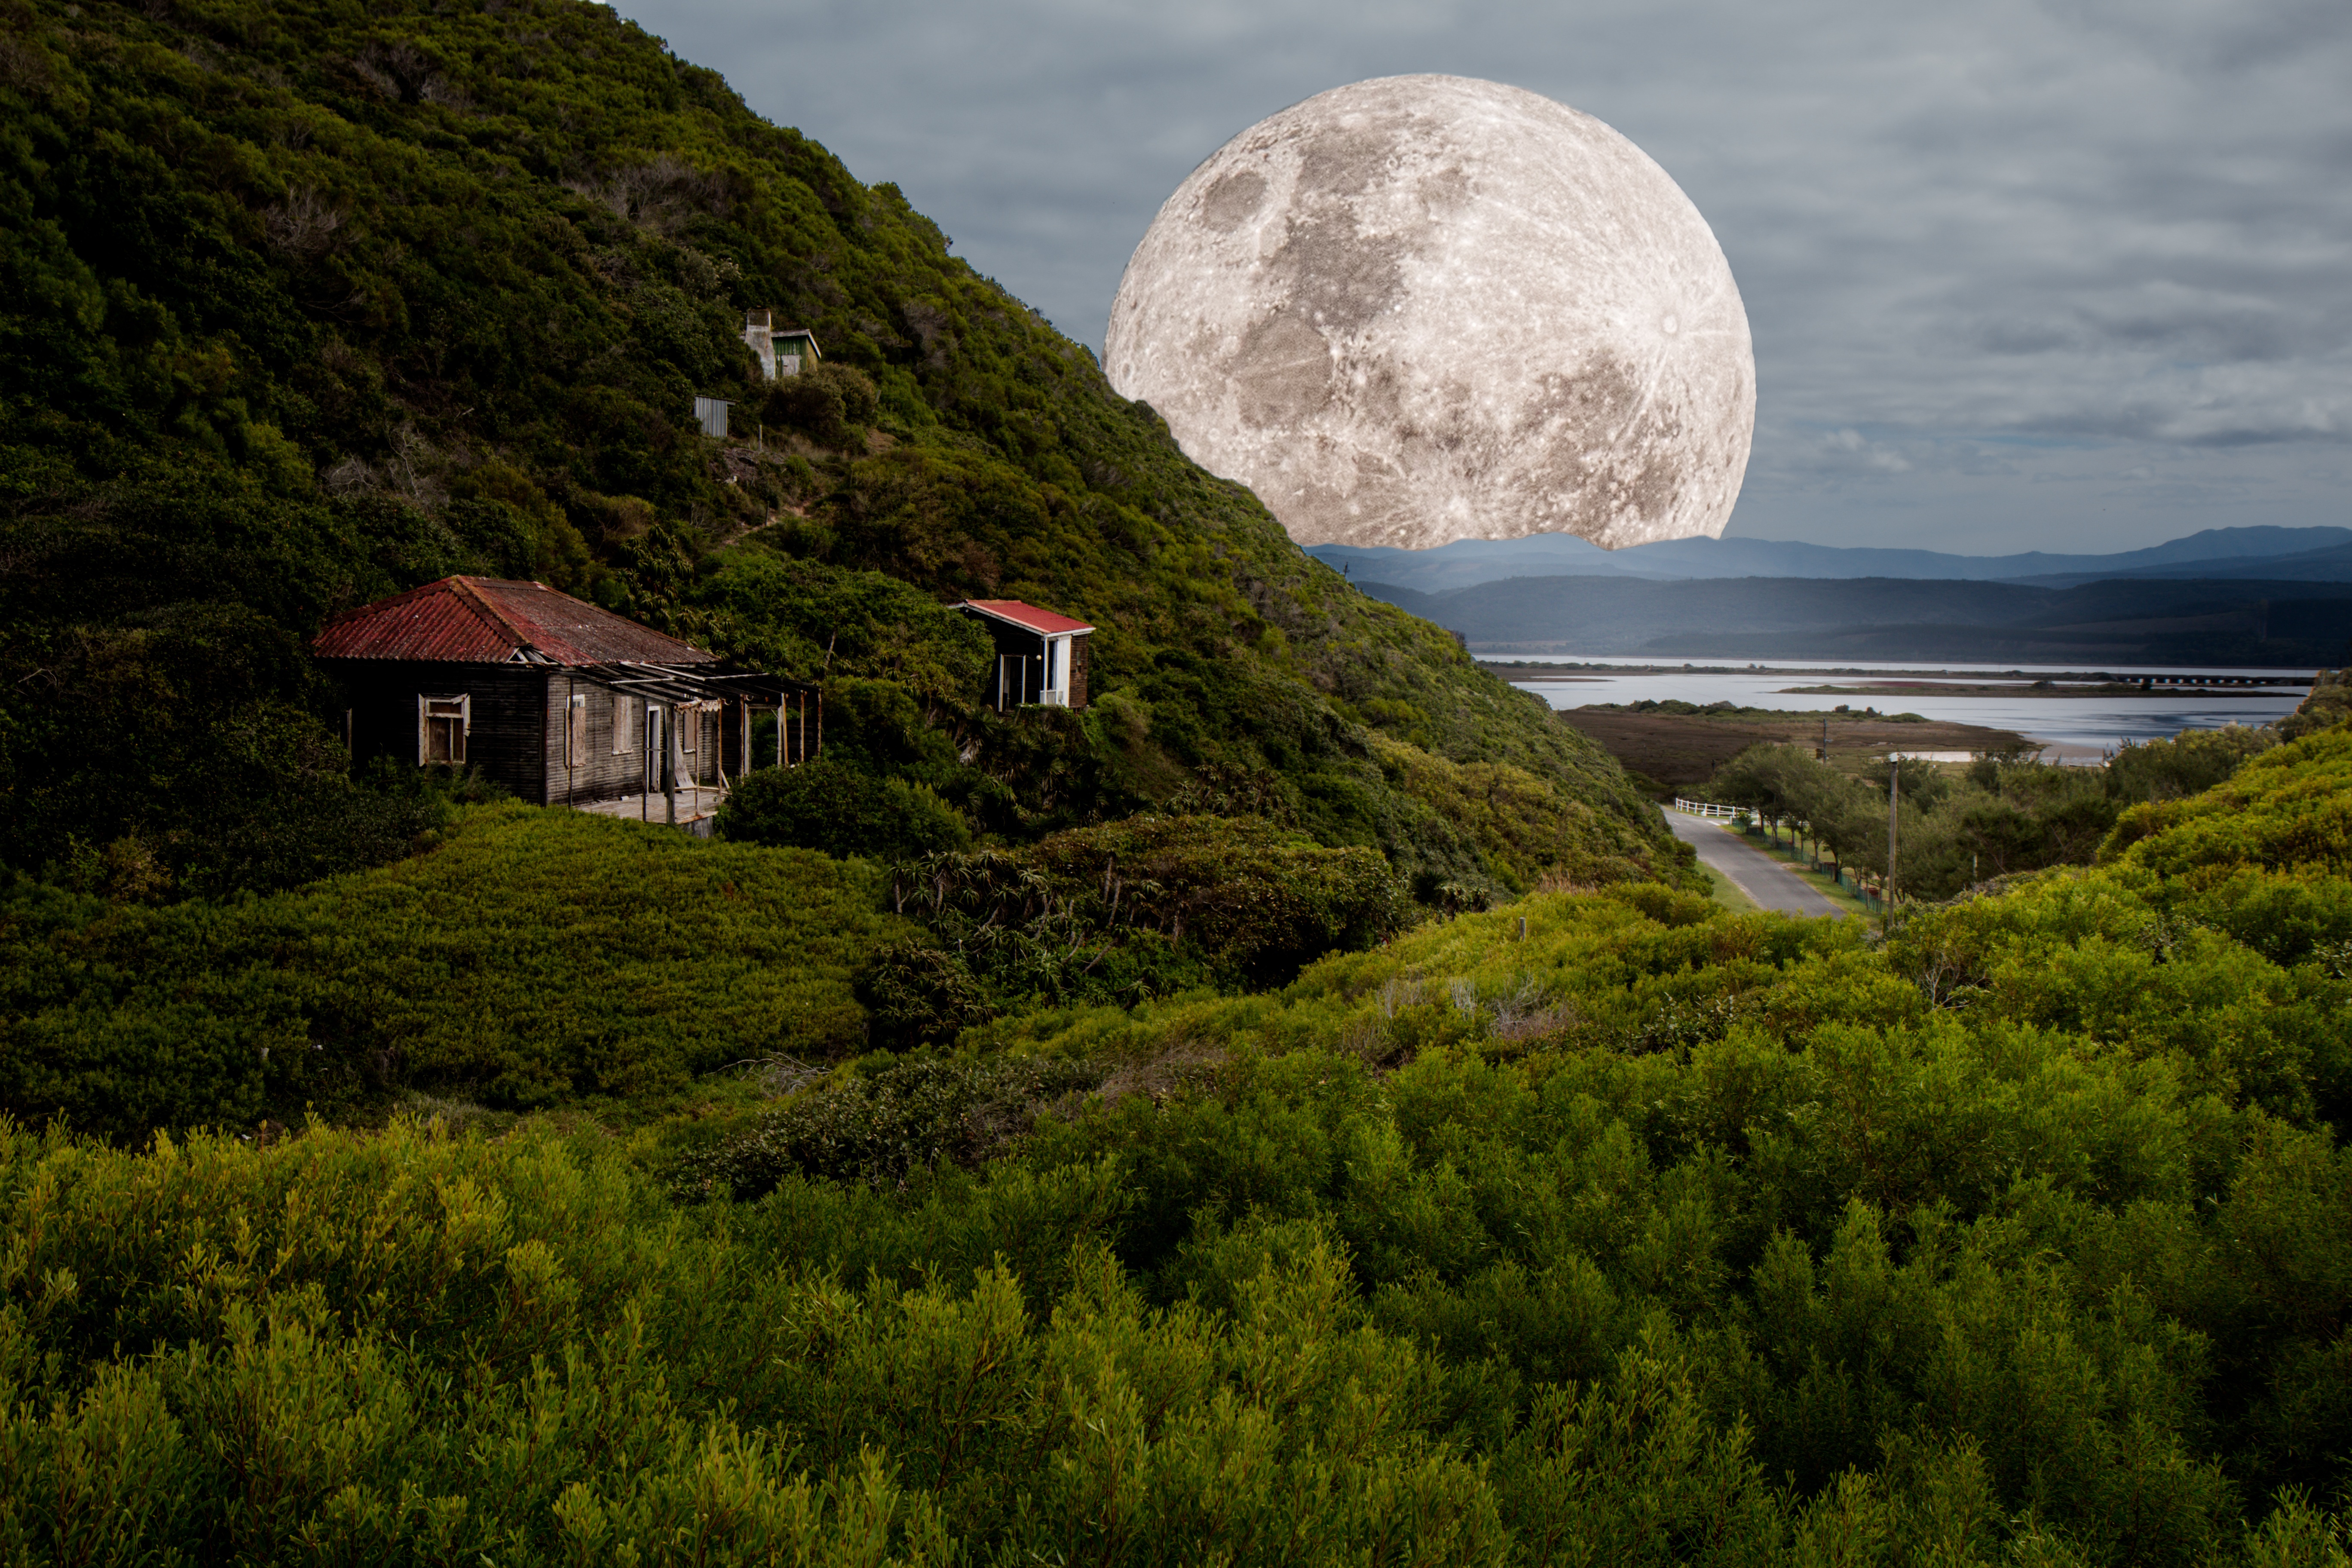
[2073,274]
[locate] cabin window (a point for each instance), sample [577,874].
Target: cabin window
[621,725]
[575,733]
[689,730]
[441,724]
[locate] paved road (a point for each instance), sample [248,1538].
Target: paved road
[1772,885]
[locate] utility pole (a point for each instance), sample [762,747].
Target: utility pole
[1893,800]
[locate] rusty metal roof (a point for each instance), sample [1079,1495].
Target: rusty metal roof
[481,620]
[1028,616]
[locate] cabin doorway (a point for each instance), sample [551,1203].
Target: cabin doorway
[656,747]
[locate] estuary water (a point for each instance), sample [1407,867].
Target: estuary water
[2076,728]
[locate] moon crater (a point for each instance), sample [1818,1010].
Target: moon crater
[1427,308]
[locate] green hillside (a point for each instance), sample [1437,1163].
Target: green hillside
[1651,1235]
[308,303]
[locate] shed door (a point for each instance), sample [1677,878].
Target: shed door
[656,746]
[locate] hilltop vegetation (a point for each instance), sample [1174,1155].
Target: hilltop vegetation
[1653,1235]
[532,959]
[310,303]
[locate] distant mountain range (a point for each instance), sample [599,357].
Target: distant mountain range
[2288,554]
[2115,620]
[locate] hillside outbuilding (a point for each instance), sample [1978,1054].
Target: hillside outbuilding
[781,351]
[560,701]
[1041,656]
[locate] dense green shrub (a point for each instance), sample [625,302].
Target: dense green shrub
[1648,1234]
[2287,809]
[882,1127]
[534,958]
[827,401]
[2189,763]
[1116,913]
[811,622]
[829,804]
[2329,703]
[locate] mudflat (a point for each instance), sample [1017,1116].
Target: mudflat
[1679,751]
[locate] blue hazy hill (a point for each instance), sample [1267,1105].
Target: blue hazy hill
[2322,555]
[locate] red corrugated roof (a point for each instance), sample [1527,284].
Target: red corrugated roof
[1029,615]
[480,620]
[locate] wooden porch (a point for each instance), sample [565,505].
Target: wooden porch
[691,806]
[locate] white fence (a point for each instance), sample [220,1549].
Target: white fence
[1708,808]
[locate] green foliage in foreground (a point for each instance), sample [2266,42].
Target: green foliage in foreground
[534,958]
[2330,702]
[1655,1235]
[1122,912]
[842,810]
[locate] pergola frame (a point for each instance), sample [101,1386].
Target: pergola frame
[750,691]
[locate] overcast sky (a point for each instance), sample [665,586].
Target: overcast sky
[2068,276]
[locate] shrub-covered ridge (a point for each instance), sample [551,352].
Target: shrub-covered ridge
[1650,1235]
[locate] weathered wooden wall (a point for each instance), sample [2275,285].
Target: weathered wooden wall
[605,771]
[506,739]
[518,734]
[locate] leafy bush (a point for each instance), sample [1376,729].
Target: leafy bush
[883,1126]
[2329,703]
[534,958]
[922,995]
[2189,763]
[1647,1233]
[187,745]
[830,805]
[2286,809]
[801,619]
[828,401]
[1122,912]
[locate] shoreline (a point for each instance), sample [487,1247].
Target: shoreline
[1923,682]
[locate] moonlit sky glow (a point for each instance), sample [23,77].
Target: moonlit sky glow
[2068,276]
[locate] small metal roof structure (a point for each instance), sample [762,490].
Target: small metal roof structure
[766,340]
[1028,617]
[483,620]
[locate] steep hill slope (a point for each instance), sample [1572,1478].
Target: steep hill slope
[308,303]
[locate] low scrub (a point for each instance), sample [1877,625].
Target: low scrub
[1119,913]
[533,958]
[1641,1233]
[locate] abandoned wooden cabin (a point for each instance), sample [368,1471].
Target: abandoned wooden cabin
[1040,657]
[559,700]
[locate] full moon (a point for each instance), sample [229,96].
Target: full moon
[1427,308]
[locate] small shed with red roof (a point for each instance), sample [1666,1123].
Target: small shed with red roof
[561,701]
[1041,656]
